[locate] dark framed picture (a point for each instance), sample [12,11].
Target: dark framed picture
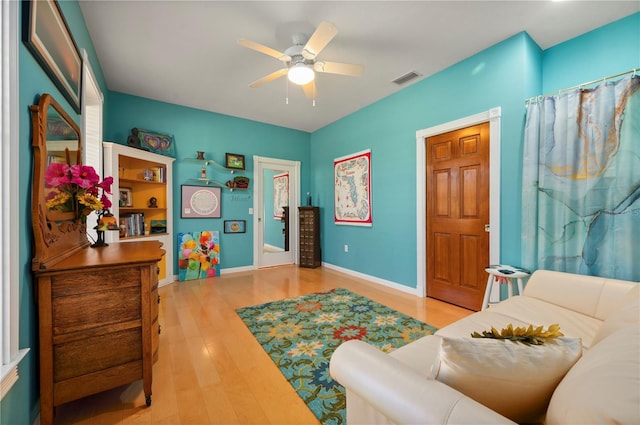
[235,226]
[47,35]
[125,199]
[234,160]
[200,202]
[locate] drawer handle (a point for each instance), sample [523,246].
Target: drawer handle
[158,299]
[159,329]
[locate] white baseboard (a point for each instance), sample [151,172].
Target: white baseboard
[237,269]
[377,280]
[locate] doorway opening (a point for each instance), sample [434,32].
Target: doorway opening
[275,218]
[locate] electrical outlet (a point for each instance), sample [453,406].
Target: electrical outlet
[346,248]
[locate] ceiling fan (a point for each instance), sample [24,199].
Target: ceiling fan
[300,59]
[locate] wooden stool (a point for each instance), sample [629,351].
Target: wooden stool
[501,273]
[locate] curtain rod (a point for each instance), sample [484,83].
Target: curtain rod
[634,70]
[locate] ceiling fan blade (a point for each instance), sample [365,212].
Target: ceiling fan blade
[319,39]
[264,49]
[350,69]
[310,90]
[268,78]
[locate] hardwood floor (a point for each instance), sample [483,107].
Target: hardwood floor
[212,371]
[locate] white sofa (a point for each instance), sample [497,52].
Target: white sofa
[603,386]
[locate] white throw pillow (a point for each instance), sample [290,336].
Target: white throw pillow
[513,379]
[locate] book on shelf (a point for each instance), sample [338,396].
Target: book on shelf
[159,174]
[132,224]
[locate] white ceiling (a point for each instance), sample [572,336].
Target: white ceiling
[185,52]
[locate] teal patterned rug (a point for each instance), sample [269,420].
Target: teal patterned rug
[300,334]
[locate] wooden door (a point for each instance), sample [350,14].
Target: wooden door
[457,212]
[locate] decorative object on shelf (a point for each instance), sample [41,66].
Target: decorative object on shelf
[198,255]
[148,175]
[241,182]
[76,188]
[352,180]
[200,155]
[126,198]
[153,202]
[200,202]
[106,221]
[47,36]
[309,202]
[235,226]
[203,173]
[153,141]
[234,161]
[158,226]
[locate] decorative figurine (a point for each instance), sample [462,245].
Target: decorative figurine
[153,202]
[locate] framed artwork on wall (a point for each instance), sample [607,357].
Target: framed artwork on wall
[200,202]
[47,36]
[235,226]
[234,161]
[352,180]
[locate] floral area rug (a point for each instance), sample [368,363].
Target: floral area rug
[300,334]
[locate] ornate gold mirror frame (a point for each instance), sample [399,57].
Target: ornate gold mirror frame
[58,233]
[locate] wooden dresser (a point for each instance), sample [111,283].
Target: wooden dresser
[310,237]
[98,322]
[97,306]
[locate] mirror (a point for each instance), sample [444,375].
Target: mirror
[55,139]
[276,206]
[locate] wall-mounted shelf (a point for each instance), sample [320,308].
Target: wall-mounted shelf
[205,181]
[215,183]
[207,162]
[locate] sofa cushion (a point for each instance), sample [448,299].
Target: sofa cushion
[626,312]
[604,385]
[523,311]
[513,379]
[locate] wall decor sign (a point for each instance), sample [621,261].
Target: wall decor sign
[200,202]
[352,185]
[47,35]
[235,226]
[234,160]
[280,194]
[154,141]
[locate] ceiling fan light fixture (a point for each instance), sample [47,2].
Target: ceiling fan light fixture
[301,74]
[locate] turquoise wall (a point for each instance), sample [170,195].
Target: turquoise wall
[21,404]
[605,51]
[502,75]
[387,250]
[215,134]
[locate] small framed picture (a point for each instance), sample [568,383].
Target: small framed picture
[126,200]
[235,226]
[234,161]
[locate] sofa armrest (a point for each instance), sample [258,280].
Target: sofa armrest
[399,393]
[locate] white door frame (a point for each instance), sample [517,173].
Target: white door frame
[261,163]
[493,117]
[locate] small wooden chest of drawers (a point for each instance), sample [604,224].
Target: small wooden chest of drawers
[310,237]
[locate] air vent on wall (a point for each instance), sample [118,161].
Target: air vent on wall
[406,77]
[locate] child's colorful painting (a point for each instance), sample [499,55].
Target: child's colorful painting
[198,255]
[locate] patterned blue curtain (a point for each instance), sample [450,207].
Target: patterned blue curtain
[581,181]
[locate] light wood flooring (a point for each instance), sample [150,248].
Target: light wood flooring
[212,371]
